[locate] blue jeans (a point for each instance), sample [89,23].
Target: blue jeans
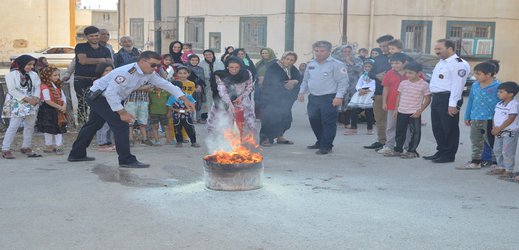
[504,149]
[323,119]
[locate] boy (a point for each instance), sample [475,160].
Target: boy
[505,127]
[159,114]
[390,83]
[413,98]
[182,118]
[480,111]
[396,46]
[137,105]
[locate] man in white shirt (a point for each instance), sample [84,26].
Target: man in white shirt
[447,82]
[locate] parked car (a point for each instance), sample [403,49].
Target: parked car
[59,56]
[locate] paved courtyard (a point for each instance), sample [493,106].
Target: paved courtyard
[350,199]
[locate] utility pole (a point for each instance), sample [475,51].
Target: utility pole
[290,6]
[345,22]
[158,26]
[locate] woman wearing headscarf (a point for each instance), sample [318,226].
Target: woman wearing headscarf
[354,65]
[228,52]
[249,65]
[280,89]
[21,105]
[175,50]
[231,92]
[210,65]
[41,63]
[267,58]
[198,77]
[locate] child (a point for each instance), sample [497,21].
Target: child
[166,71]
[137,105]
[505,129]
[480,111]
[104,134]
[182,119]
[363,99]
[413,98]
[487,157]
[52,118]
[397,46]
[391,83]
[21,104]
[159,114]
[182,73]
[363,54]
[198,77]
[186,52]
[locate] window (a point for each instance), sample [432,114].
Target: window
[253,34]
[68,50]
[195,33]
[215,41]
[106,17]
[416,36]
[473,39]
[137,32]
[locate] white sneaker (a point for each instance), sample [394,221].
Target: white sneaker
[385,150]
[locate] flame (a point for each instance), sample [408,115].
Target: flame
[240,150]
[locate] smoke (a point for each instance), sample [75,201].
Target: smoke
[217,125]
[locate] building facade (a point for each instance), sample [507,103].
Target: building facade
[481,29]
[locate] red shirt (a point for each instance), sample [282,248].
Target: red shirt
[392,80]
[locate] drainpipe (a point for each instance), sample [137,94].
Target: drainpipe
[290,6]
[72,21]
[158,33]
[345,22]
[371,20]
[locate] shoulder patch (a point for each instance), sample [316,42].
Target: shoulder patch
[459,59]
[120,79]
[344,70]
[132,70]
[462,72]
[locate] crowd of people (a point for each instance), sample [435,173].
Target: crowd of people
[163,96]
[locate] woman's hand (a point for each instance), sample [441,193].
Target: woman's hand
[237,101]
[290,84]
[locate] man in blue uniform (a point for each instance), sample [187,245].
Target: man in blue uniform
[105,101]
[326,79]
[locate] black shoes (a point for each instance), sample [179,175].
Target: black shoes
[86,158]
[136,164]
[443,160]
[323,151]
[375,145]
[431,157]
[315,146]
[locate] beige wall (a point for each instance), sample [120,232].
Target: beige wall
[32,25]
[322,20]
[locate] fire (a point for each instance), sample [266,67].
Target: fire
[240,150]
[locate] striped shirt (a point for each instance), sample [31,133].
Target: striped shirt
[138,95]
[412,95]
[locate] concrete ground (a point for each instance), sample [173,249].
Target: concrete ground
[350,199]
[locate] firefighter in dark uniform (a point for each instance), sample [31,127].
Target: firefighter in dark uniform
[447,82]
[105,100]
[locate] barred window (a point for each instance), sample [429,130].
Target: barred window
[253,34]
[472,39]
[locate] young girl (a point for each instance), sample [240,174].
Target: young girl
[186,52]
[104,134]
[21,105]
[198,77]
[166,71]
[362,100]
[188,87]
[52,118]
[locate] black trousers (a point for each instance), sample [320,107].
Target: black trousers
[186,123]
[369,117]
[323,119]
[445,128]
[404,121]
[81,86]
[100,112]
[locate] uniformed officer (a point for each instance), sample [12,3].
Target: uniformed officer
[105,100]
[447,82]
[326,80]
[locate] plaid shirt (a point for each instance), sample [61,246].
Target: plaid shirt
[138,95]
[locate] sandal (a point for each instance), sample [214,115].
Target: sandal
[496,171]
[284,142]
[351,132]
[195,145]
[370,132]
[266,144]
[514,178]
[506,175]
[49,150]
[60,151]
[29,153]
[408,155]
[8,155]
